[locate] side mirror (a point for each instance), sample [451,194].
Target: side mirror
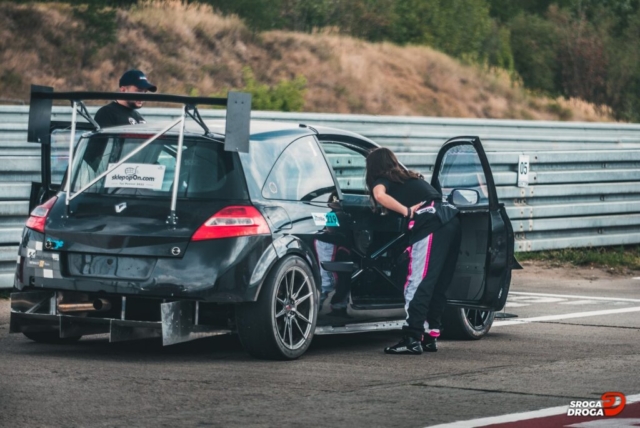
[463,197]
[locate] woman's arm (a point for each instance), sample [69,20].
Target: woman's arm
[390,203]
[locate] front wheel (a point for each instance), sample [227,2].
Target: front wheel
[467,324]
[280,325]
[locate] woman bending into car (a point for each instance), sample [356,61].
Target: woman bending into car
[433,251]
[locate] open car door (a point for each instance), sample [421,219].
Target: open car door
[483,271]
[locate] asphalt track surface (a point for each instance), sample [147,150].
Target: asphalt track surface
[577,336]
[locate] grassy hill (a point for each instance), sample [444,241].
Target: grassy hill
[191,50]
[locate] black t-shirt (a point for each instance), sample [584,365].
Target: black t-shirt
[432,215]
[411,192]
[114,114]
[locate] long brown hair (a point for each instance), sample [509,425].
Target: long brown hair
[382,163]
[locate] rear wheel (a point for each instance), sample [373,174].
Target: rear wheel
[280,325]
[52,337]
[467,324]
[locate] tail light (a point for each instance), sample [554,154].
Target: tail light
[39,215]
[232,222]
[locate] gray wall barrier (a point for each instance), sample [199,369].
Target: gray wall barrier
[584,181]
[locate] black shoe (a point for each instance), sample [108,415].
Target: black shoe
[408,345]
[429,344]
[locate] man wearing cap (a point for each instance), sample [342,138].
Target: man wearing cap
[122,112]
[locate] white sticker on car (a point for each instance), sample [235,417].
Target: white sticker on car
[38,245]
[136,175]
[47,273]
[319,219]
[31,253]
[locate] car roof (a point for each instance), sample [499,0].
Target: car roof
[259,129]
[217,128]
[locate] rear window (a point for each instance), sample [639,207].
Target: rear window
[207,171]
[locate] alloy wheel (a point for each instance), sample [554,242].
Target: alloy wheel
[478,319]
[293,308]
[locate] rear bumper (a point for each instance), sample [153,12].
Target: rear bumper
[225,270]
[39,311]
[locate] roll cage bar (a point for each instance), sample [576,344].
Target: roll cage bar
[39,131]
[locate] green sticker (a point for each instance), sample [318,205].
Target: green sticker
[332,220]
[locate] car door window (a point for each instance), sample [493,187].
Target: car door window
[349,166]
[60,153]
[461,169]
[300,174]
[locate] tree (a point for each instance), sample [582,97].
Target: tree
[534,43]
[623,82]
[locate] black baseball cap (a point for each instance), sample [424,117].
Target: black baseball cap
[138,79]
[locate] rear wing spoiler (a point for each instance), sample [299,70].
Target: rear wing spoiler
[238,120]
[238,116]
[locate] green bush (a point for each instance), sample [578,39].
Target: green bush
[99,27]
[562,112]
[287,95]
[259,15]
[616,257]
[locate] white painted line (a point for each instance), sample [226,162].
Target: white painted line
[515,305]
[616,422]
[637,277]
[565,316]
[515,417]
[513,298]
[581,302]
[532,299]
[571,296]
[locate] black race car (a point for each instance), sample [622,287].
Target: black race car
[259,228]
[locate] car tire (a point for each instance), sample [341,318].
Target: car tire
[51,337]
[281,323]
[466,324]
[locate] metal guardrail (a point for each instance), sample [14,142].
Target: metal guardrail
[575,199]
[399,133]
[584,181]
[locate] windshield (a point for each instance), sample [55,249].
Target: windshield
[207,171]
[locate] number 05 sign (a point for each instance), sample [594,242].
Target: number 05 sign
[523,171]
